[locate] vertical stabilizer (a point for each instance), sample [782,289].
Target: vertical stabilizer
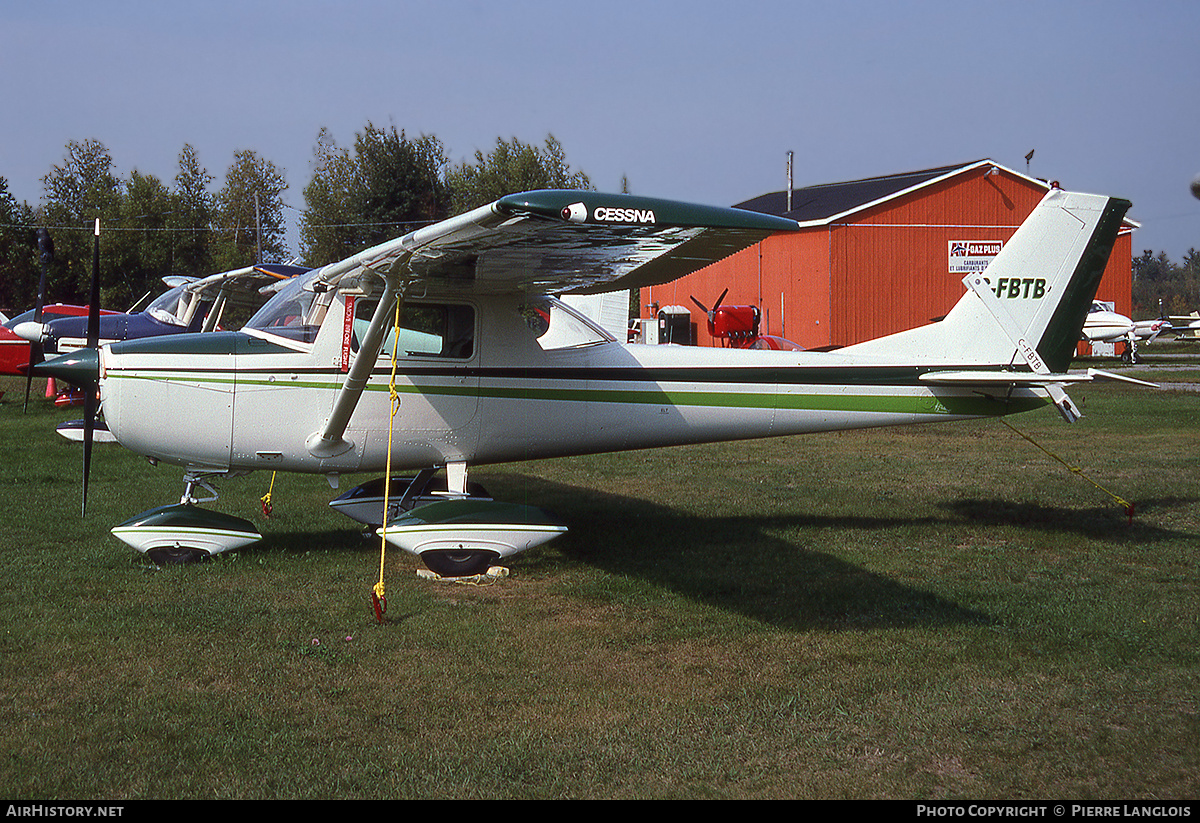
[1029,305]
[1046,276]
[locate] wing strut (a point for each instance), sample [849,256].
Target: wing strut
[330,440]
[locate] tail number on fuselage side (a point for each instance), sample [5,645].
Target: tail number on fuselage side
[1020,287]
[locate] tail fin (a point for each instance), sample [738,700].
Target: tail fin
[1031,302]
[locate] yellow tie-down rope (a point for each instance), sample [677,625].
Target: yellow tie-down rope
[379,592]
[266,498]
[1120,501]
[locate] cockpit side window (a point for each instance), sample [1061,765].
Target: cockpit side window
[557,326]
[426,330]
[169,307]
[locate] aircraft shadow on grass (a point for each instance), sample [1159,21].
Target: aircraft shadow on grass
[736,563]
[741,563]
[744,564]
[1110,524]
[747,564]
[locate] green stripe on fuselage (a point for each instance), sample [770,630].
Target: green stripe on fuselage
[911,399]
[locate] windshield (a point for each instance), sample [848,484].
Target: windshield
[294,312]
[12,322]
[169,307]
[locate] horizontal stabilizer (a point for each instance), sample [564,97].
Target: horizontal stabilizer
[1107,375]
[1051,383]
[991,379]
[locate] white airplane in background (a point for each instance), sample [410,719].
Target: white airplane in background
[1103,325]
[1184,326]
[1108,326]
[490,367]
[1151,330]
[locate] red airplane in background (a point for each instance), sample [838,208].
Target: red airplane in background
[14,351]
[738,327]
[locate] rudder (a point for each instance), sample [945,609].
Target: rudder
[1030,303]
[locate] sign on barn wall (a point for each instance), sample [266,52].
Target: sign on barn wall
[967,256]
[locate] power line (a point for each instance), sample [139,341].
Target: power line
[109,227]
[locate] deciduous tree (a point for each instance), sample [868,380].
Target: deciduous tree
[18,253]
[512,167]
[249,213]
[1162,287]
[386,186]
[78,191]
[138,249]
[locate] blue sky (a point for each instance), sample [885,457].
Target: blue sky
[696,101]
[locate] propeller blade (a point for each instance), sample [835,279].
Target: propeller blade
[720,299]
[89,431]
[713,311]
[91,389]
[36,354]
[93,330]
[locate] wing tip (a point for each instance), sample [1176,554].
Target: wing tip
[599,208]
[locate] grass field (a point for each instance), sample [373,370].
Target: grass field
[928,612]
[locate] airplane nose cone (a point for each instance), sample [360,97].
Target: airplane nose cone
[30,330]
[80,367]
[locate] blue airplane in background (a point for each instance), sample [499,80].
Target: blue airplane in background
[192,304]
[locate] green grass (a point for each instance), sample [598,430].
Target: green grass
[927,612]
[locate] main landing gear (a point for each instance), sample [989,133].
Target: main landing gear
[184,532]
[454,526]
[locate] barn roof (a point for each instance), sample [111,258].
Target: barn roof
[814,205]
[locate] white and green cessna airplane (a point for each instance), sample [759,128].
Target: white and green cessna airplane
[489,366]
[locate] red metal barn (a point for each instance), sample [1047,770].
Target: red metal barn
[874,256]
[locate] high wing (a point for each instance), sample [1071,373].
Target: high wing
[241,288]
[563,241]
[540,242]
[248,279]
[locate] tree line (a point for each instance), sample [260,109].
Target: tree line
[382,186]
[1162,287]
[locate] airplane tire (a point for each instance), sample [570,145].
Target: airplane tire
[176,555]
[458,562]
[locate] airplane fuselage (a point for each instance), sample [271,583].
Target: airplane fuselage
[497,380]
